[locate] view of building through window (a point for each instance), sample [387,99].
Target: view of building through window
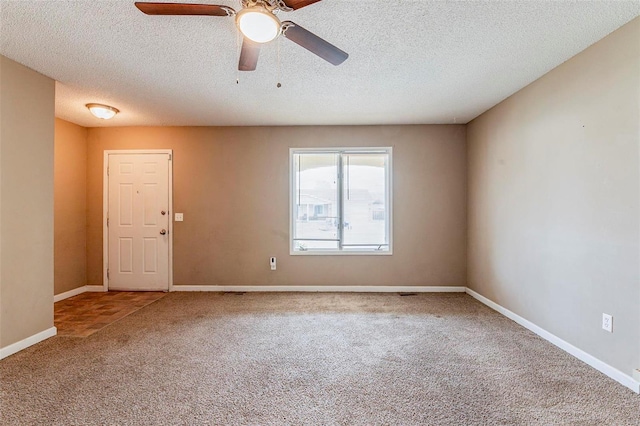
[340,200]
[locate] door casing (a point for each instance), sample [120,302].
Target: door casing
[105,210]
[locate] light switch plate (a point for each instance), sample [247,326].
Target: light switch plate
[179,217]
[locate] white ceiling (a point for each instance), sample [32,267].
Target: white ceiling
[411,62]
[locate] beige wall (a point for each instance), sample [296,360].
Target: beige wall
[26,209]
[554,200]
[232,186]
[70,207]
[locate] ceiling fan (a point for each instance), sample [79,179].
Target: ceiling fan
[258,23]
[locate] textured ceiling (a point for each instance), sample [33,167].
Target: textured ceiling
[411,62]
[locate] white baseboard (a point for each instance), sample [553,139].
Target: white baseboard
[320,289]
[594,362]
[29,341]
[95,288]
[70,293]
[77,291]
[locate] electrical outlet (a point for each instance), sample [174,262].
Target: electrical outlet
[607,323]
[636,375]
[179,217]
[272,262]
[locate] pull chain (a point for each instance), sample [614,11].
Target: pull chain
[238,48]
[278,66]
[238,53]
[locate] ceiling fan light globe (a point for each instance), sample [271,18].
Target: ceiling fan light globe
[258,24]
[104,112]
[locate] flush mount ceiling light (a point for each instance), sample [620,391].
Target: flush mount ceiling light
[104,112]
[258,24]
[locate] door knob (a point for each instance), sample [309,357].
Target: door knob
[163,232]
[162,212]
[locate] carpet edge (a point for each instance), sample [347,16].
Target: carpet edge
[321,289]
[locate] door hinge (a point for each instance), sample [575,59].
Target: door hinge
[107,170]
[107,273]
[107,220]
[170,156]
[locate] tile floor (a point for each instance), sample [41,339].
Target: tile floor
[86,313]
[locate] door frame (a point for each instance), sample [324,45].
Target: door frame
[105,209]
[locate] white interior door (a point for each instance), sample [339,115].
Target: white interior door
[138,222]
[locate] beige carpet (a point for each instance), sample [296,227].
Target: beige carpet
[312,359]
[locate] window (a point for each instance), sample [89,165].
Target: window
[341,201]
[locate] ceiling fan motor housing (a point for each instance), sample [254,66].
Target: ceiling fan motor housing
[270,5]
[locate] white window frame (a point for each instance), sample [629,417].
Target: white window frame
[388,201]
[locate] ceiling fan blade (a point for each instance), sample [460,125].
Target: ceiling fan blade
[313,43]
[299,4]
[249,55]
[184,9]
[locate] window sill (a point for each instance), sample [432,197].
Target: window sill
[339,253]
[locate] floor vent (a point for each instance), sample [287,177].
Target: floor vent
[235,293]
[408,294]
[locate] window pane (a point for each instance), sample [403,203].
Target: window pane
[364,197]
[315,200]
[341,200]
